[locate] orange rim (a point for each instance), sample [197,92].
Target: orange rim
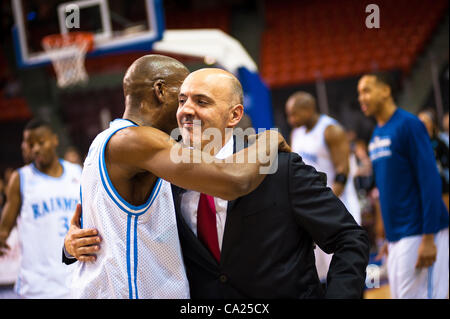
[59,41]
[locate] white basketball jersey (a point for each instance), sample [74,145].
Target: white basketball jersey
[140,255]
[311,146]
[48,204]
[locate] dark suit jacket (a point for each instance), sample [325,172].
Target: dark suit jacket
[267,249]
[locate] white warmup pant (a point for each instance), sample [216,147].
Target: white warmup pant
[407,282]
[323,261]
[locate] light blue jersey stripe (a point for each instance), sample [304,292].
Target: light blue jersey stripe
[130,289]
[135,256]
[132,256]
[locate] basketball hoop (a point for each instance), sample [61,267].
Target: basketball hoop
[67,53]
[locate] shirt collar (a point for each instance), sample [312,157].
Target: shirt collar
[226,150]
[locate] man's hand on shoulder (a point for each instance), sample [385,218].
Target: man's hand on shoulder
[271,136]
[283,146]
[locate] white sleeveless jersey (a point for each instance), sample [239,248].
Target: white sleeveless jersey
[48,204]
[140,255]
[311,146]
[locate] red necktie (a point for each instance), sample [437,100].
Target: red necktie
[206,224]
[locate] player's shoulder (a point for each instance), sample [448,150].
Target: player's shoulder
[127,137]
[328,122]
[334,132]
[410,123]
[15,179]
[407,117]
[334,127]
[120,136]
[25,169]
[327,119]
[71,167]
[116,127]
[139,139]
[299,129]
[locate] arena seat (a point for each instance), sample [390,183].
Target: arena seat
[311,34]
[15,108]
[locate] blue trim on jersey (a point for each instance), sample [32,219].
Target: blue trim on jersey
[111,190]
[152,196]
[135,256]
[131,122]
[130,289]
[18,285]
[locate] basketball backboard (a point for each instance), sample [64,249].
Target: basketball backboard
[118,25]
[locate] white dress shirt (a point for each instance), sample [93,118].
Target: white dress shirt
[189,201]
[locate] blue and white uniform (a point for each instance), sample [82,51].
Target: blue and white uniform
[407,177]
[48,204]
[140,255]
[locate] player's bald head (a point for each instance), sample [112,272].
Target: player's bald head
[301,100]
[141,75]
[300,109]
[151,85]
[220,79]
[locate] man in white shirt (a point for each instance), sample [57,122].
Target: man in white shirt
[190,199]
[205,99]
[242,268]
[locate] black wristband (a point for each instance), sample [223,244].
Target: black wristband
[340,178]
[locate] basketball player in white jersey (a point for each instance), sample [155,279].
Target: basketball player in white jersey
[322,143]
[41,197]
[125,198]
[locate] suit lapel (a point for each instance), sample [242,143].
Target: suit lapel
[176,193]
[231,219]
[232,229]
[185,232]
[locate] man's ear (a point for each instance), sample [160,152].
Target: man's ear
[159,88]
[236,113]
[386,91]
[55,139]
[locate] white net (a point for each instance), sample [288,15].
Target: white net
[67,53]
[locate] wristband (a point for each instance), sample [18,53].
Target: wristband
[68,256]
[340,178]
